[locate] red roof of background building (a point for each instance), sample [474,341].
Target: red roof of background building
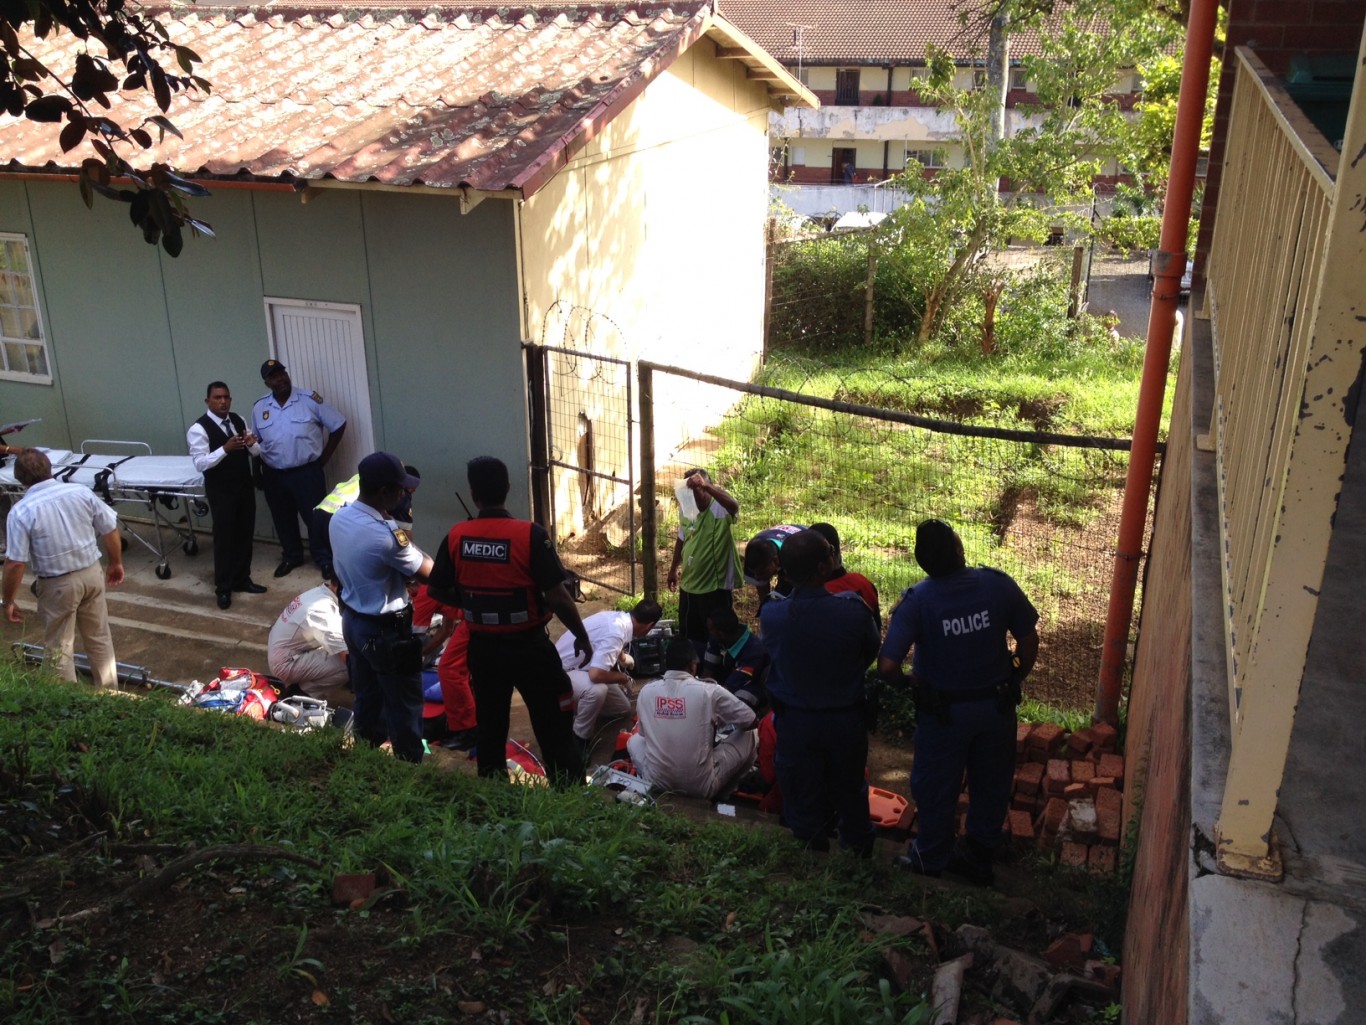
[864,31]
[490,98]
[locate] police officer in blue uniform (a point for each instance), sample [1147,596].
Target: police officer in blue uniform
[373,560]
[298,432]
[822,646]
[966,684]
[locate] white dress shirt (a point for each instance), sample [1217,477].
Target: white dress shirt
[198,441]
[608,632]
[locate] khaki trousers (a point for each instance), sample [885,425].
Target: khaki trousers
[72,602]
[320,675]
[594,700]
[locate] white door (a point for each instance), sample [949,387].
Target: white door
[323,348]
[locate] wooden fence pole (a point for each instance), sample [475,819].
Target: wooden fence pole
[648,525]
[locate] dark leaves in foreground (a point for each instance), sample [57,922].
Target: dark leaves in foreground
[74,96]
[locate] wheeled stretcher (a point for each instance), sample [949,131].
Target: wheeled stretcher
[124,473]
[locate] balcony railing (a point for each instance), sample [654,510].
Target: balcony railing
[1278,300]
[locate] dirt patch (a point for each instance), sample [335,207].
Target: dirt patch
[1040,412]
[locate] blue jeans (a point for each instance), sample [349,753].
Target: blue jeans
[979,739]
[388,700]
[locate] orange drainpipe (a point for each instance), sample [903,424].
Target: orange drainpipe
[1169,265]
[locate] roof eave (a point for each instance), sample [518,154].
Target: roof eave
[783,87]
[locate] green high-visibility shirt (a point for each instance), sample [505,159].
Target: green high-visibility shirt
[710,561]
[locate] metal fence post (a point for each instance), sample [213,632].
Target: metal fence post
[540,436]
[648,526]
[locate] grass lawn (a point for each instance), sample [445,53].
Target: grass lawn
[494,902]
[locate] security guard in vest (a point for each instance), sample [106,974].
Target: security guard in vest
[221,447]
[506,576]
[373,559]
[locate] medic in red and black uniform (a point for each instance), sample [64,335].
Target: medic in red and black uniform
[504,574]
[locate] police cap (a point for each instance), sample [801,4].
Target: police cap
[381,468]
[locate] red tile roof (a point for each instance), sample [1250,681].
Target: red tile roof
[862,31]
[490,98]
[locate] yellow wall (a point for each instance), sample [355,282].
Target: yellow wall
[650,244]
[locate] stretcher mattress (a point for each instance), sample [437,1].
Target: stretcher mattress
[132,473]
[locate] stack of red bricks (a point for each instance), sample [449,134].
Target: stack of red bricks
[1069,793]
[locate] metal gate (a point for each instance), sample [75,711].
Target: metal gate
[582,462]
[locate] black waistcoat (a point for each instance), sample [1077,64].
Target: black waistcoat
[235,469]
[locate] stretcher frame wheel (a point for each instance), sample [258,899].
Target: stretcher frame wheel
[190,547]
[200,507]
[163,571]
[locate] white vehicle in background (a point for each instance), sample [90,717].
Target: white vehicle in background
[1185,278]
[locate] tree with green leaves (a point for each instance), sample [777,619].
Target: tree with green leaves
[1018,185]
[123,48]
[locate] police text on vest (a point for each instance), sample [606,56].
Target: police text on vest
[967,624]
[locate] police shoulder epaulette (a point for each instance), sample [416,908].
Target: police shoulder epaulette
[401,536]
[315,397]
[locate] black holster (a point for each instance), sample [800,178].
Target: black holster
[928,700]
[872,701]
[400,651]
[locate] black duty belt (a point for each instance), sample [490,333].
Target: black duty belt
[401,617]
[955,697]
[291,469]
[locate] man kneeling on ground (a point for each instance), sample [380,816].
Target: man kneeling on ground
[603,687]
[675,748]
[306,648]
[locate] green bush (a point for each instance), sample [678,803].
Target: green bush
[818,296]
[1130,234]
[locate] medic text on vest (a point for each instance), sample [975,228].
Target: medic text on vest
[482,549]
[967,624]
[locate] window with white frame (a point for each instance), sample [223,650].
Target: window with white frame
[1019,79]
[23,349]
[928,157]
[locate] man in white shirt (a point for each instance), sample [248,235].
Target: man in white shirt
[57,528]
[603,687]
[306,647]
[221,446]
[675,746]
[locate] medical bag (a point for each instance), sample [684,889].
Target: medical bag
[648,651]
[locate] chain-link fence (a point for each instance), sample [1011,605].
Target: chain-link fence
[846,449]
[583,457]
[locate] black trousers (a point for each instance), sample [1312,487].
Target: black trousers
[693,610]
[529,662]
[234,521]
[292,494]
